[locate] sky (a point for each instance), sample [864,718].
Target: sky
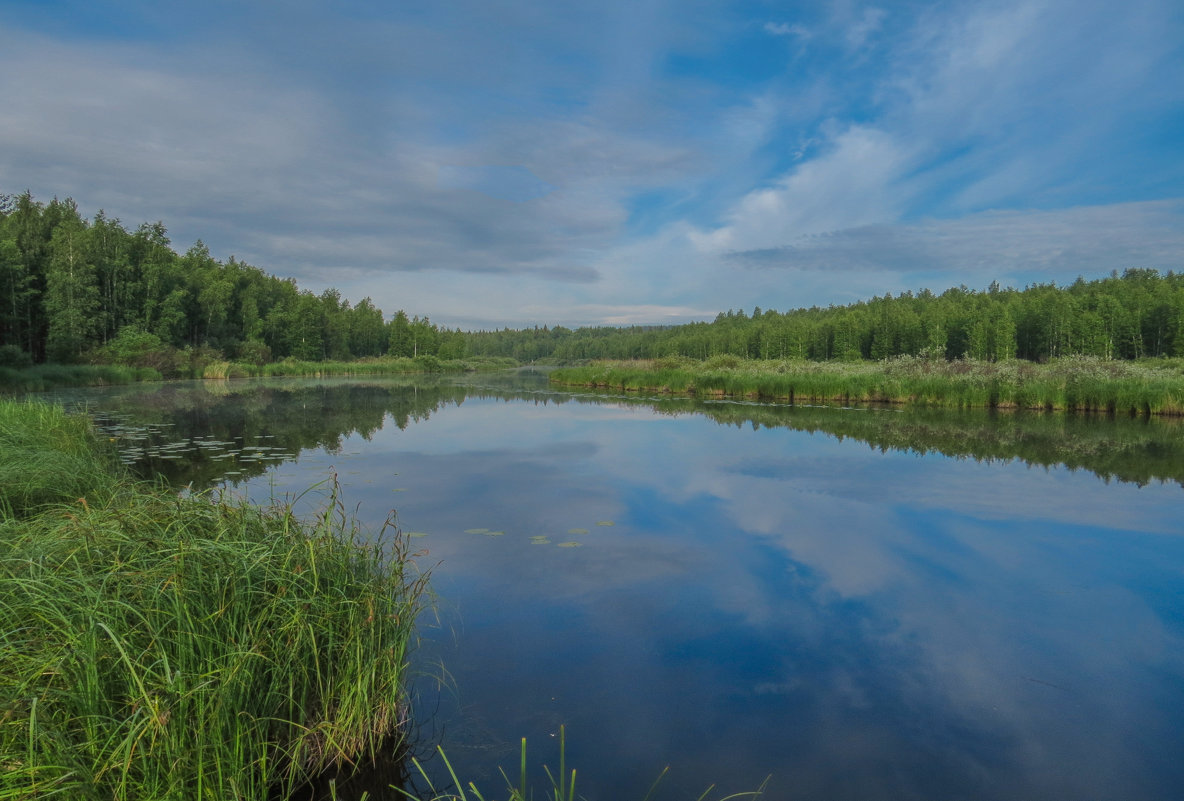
[527,162]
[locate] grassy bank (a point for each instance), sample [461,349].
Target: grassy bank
[19,380]
[361,367]
[54,376]
[163,646]
[1072,384]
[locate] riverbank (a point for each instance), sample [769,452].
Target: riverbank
[1073,384]
[164,645]
[14,380]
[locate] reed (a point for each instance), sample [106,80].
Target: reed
[1078,384]
[162,645]
[54,376]
[560,785]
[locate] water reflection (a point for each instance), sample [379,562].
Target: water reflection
[970,607]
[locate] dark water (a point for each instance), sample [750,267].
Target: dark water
[860,603]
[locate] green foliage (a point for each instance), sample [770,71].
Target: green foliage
[13,356]
[560,786]
[1079,383]
[158,645]
[1137,314]
[253,352]
[73,289]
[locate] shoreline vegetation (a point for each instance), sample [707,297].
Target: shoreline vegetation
[165,645]
[43,377]
[1073,384]
[161,645]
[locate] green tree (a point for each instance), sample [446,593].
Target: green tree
[72,298]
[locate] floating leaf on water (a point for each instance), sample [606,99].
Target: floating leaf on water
[399,489]
[605,523]
[577,531]
[476,530]
[417,533]
[539,541]
[494,533]
[570,544]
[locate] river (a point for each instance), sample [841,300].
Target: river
[858,603]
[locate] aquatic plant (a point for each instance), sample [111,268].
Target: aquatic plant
[560,785]
[164,645]
[53,376]
[1077,383]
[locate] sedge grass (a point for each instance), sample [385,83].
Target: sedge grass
[55,376]
[560,785]
[1080,384]
[165,646]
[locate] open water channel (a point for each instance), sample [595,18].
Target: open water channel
[859,603]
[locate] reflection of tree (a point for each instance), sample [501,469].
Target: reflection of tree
[295,414]
[1122,449]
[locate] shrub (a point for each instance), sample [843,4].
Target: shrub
[13,356]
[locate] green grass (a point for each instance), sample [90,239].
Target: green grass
[371,366]
[53,376]
[560,784]
[1073,384]
[156,645]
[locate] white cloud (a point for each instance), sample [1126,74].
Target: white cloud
[787,29]
[857,182]
[486,165]
[1086,241]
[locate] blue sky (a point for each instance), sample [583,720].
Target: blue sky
[650,161]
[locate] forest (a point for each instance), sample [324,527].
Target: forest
[77,290]
[74,290]
[1138,313]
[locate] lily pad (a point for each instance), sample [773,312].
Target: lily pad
[476,530]
[605,523]
[570,544]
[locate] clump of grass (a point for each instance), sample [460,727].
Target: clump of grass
[54,376]
[48,457]
[158,646]
[560,785]
[1078,384]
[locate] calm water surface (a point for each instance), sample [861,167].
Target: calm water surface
[679,585]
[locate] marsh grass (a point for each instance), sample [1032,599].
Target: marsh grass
[55,376]
[158,645]
[560,785]
[1083,384]
[385,365]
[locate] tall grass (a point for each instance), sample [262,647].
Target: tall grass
[370,366]
[560,785]
[1072,384]
[164,646]
[55,376]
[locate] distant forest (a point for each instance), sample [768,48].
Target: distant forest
[73,290]
[1137,314]
[70,287]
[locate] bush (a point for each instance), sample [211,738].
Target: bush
[253,352]
[428,363]
[135,347]
[13,356]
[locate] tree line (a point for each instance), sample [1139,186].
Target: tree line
[1138,313]
[73,289]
